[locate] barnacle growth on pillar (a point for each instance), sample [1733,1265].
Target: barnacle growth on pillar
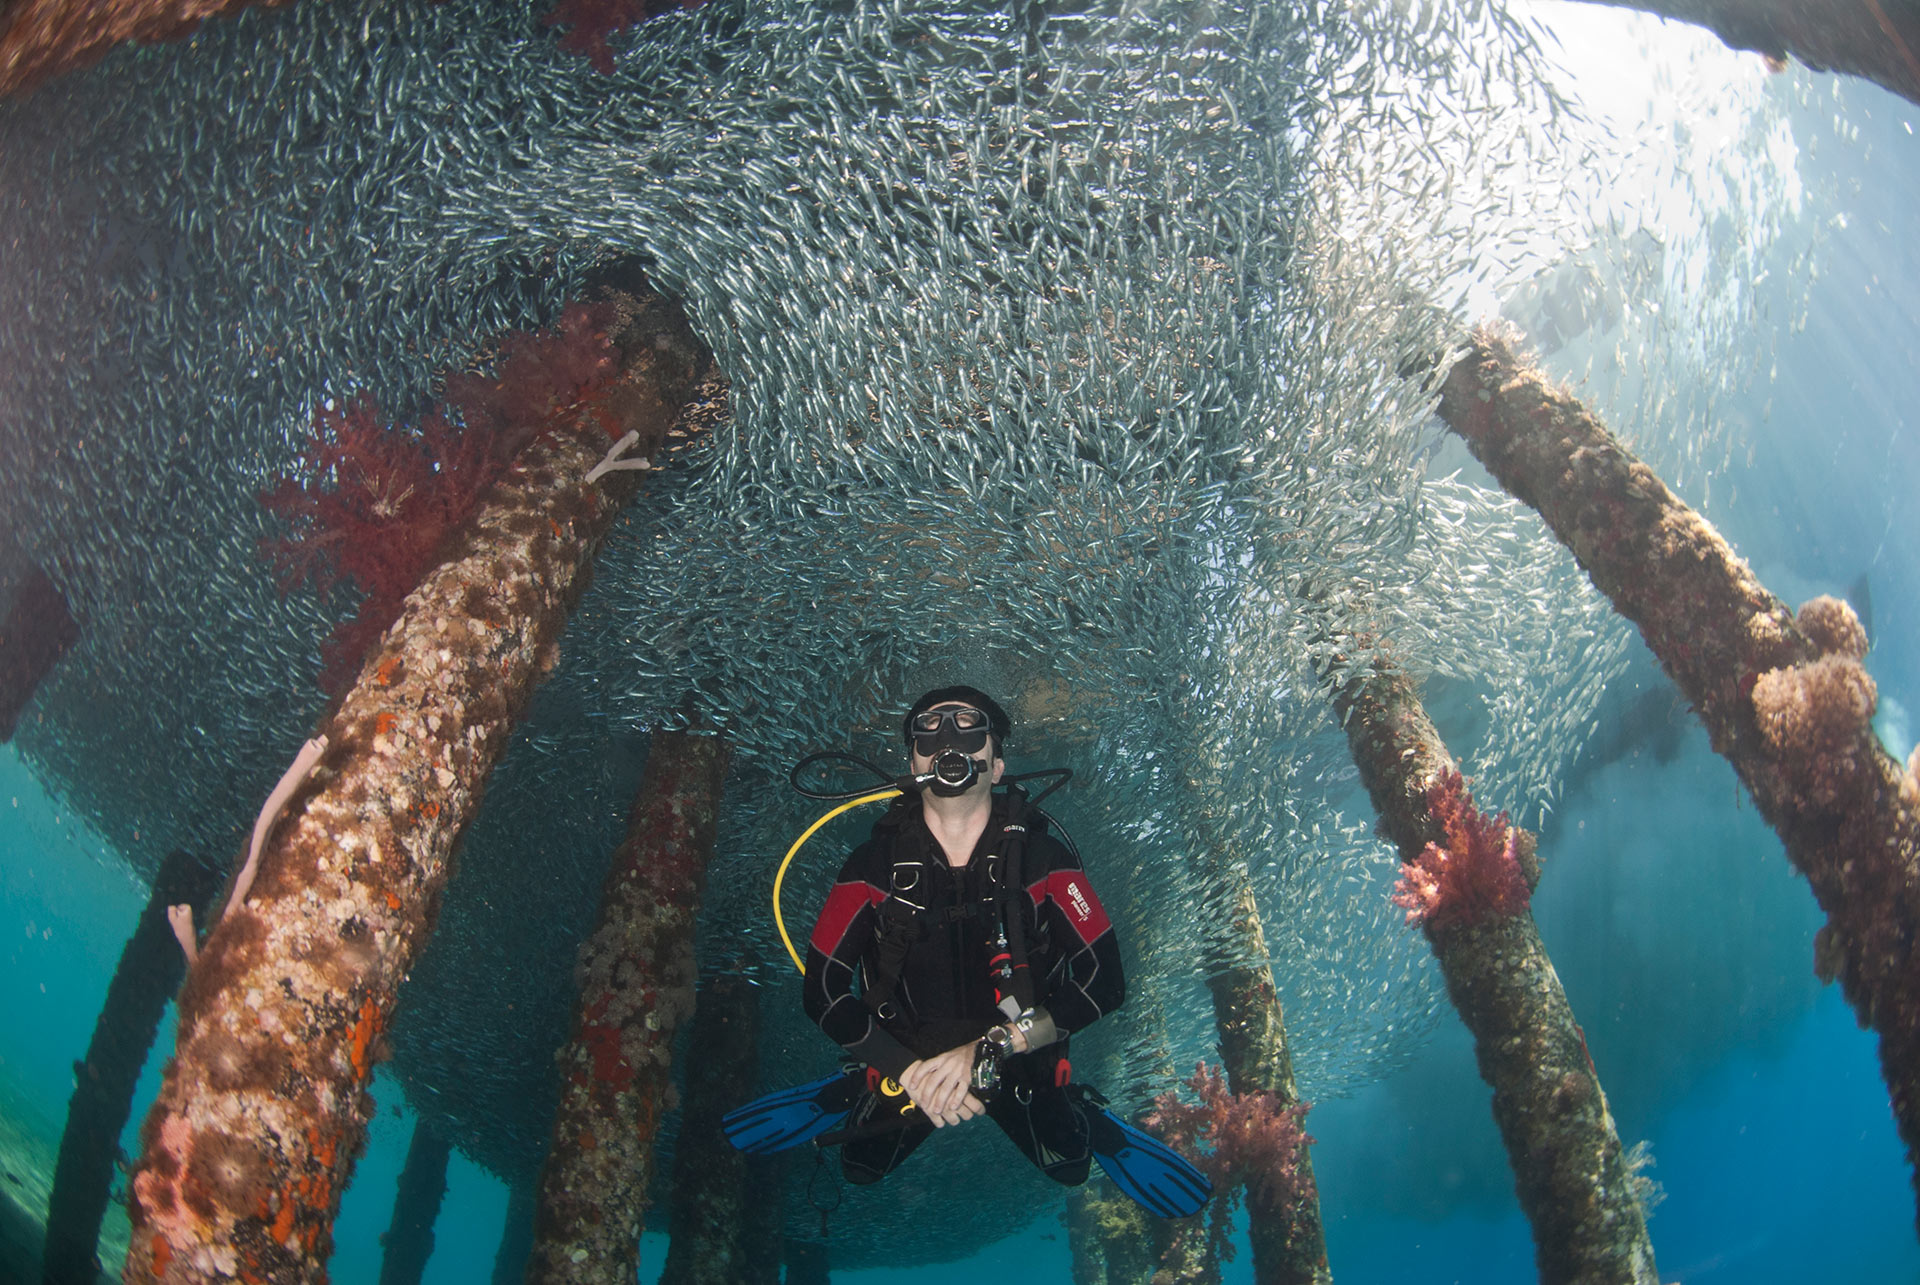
[1784,698]
[1575,1183]
[636,975]
[264,1107]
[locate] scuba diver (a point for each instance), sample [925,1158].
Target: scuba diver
[959,948]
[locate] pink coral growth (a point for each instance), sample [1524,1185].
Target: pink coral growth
[1831,625]
[1820,715]
[590,22]
[1474,877]
[373,502]
[1251,1140]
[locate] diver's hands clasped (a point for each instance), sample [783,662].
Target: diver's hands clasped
[939,1086]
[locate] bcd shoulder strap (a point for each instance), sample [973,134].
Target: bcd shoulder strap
[1013,886]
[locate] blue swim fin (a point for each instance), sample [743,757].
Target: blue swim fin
[1154,1175]
[789,1117]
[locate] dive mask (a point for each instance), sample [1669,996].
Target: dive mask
[964,729]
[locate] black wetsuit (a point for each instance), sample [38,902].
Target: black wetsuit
[943,995]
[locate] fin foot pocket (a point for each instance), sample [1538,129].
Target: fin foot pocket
[790,1117]
[1152,1174]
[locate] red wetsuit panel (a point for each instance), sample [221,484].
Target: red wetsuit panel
[1073,894]
[843,903]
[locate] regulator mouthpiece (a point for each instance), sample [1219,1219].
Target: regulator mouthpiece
[953,773]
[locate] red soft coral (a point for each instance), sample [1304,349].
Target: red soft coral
[1474,877]
[1241,1141]
[373,503]
[534,375]
[1252,1140]
[590,22]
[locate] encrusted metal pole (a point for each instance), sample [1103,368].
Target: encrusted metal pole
[1467,878]
[636,974]
[724,1227]
[1289,1244]
[1877,39]
[1784,698]
[264,1107]
[408,1243]
[148,974]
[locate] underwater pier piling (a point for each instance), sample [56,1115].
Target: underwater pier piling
[42,39]
[35,632]
[516,1232]
[1111,1239]
[1289,1245]
[636,973]
[264,1108]
[1784,697]
[725,1225]
[143,984]
[1876,39]
[1574,1181]
[408,1242]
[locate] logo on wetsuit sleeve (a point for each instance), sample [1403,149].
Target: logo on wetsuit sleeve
[1070,891]
[1081,910]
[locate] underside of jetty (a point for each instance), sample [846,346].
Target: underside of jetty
[457,458]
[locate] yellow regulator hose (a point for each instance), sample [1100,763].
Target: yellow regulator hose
[779,922]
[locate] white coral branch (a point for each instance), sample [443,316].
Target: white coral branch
[612,461]
[270,812]
[181,917]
